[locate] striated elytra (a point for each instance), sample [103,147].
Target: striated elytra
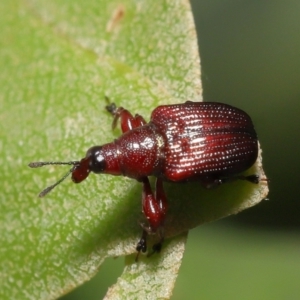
[208,142]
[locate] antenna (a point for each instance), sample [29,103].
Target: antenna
[48,189]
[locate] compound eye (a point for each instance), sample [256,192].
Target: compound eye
[97,160]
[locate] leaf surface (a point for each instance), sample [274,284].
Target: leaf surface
[58,60]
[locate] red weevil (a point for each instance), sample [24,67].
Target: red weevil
[208,142]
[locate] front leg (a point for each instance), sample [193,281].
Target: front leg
[154,209]
[128,121]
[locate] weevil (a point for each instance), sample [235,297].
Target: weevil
[208,142]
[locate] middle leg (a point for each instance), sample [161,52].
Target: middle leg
[154,209]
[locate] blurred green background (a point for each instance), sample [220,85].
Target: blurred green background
[250,56]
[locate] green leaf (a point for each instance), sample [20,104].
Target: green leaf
[58,60]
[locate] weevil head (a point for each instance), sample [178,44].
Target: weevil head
[93,161]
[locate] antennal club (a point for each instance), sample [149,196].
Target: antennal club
[48,189]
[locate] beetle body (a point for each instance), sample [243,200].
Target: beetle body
[182,142]
[205,141]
